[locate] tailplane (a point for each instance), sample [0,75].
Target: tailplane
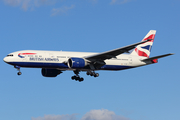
[145,48]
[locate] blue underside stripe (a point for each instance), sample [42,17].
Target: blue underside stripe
[39,65]
[62,65]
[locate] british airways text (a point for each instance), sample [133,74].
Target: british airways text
[43,59]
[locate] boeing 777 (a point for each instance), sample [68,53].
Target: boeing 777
[53,63]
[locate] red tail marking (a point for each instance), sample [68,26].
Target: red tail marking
[141,53]
[150,37]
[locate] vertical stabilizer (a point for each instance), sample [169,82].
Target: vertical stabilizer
[145,48]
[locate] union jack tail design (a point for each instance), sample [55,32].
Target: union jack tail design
[145,48]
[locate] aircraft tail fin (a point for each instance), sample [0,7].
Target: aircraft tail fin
[145,48]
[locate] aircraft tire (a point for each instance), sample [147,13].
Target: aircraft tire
[96,75]
[73,77]
[76,78]
[19,73]
[88,73]
[81,79]
[92,74]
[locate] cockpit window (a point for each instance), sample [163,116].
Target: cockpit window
[10,55]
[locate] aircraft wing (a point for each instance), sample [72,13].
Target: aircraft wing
[113,53]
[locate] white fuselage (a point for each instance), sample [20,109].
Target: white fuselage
[58,60]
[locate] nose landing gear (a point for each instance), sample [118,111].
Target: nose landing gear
[18,68]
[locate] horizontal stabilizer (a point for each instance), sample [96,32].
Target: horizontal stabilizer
[160,56]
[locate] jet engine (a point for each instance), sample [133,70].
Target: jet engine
[76,62]
[50,72]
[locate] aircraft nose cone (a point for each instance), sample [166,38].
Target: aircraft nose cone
[5,59]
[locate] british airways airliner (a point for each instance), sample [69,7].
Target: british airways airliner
[54,63]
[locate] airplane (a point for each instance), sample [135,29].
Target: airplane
[53,63]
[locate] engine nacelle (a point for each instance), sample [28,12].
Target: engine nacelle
[50,72]
[76,63]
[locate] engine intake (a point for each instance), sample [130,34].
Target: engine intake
[50,72]
[76,63]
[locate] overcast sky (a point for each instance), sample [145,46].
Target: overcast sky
[144,93]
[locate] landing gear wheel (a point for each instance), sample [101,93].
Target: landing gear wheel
[81,79]
[19,73]
[92,74]
[73,77]
[76,78]
[88,73]
[96,75]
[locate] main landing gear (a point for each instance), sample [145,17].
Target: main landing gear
[18,68]
[80,79]
[77,77]
[92,73]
